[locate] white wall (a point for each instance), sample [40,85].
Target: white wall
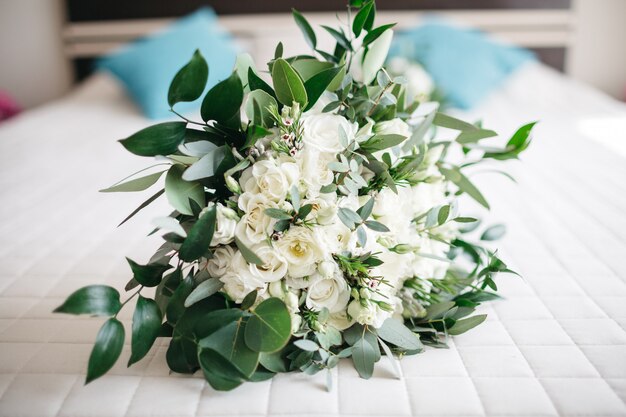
[599,53]
[32,69]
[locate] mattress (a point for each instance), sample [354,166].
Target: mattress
[556,345]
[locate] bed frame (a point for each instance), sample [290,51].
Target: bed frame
[528,23]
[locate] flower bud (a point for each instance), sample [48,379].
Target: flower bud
[402,249]
[354,293]
[326,269]
[365,294]
[276,289]
[384,306]
[233,185]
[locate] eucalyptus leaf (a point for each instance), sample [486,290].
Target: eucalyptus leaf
[137,184]
[207,165]
[169,224]
[247,253]
[396,333]
[463,325]
[269,329]
[179,191]
[494,232]
[464,184]
[363,357]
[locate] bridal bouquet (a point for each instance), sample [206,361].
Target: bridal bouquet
[315,218]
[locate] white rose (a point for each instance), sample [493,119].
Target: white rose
[314,167]
[220,263]
[225,226]
[270,180]
[302,249]
[340,321]
[332,292]
[322,132]
[274,265]
[393,127]
[255,225]
[239,281]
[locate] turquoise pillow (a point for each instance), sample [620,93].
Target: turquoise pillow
[465,64]
[146,67]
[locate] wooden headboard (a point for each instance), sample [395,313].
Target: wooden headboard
[98,26]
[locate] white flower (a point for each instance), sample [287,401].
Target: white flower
[419,83]
[269,178]
[225,226]
[340,321]
[274,265]
[220,263]
[239,281]
[322,132]
[393,127]
[302,249]
[370,313]
[331,292]
[314,168]
[255,225]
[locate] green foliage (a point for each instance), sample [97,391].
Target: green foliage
[148,275]
[189,82]
[288,85]
[179,191]
[96,300]
[160,139]
[269,328]
[223,101]
[106,350]
[305,27]
[199,238]
[137,184]
[146,327]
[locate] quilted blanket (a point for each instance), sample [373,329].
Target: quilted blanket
[556,345]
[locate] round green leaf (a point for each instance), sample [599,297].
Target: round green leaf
[228,341]
[199,237]
[269,328]
[258,113]
[223,101]
[106,350]
[288,84]
[146,326]
[221,374]
[179,191]
[97,300]
[189,82]
[160,139]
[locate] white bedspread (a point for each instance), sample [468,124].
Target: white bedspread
[555,346]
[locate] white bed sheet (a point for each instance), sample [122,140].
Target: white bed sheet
[555,346]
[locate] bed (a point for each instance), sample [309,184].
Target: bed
[555,346]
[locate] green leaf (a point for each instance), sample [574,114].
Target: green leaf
[176,306]
[243,64]
[308,67]
[361,17]
[146,327]
[274,361]
[307,345]
[396,333]
[199,237]
[189,82]
[521,138]
[221,374]
[305,27]
[464,184]
[247,253]
[229,342]
[148,275]
[374,34]
[160,139]
[269,329]
[380,142]
[376,226]
[472,136]
[256,83]
[453,123]
[278,214]
[249,300]
[278,52]
[261,115]
[463,325]
[138,184]
[366,210]
[348,217]
[179,191]
[97,300]
[436,311]
[206,166]
[363,357]
[318,83]
[494,232]
[223,101]
[142,206]
[288,84]
[204,290]
[106,350]
[442,215]
[341,39]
